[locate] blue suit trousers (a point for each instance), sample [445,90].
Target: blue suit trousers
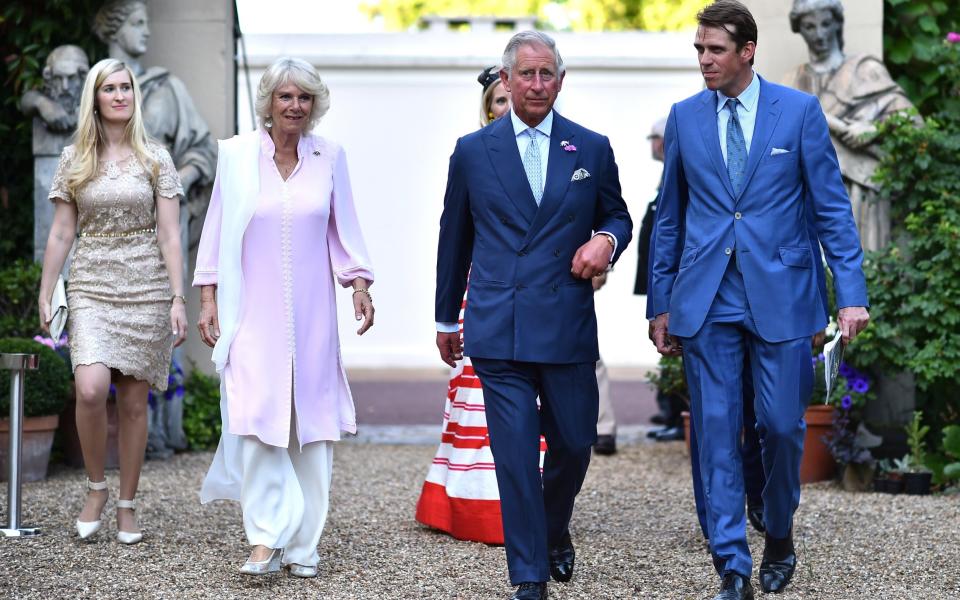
[783,382]
[536,510]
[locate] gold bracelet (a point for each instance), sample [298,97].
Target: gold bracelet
[363,291]
[182,297]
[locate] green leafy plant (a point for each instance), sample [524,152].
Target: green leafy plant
[951,447]
[670,378]
[19,283]
[201,410]
[45,389]
[917,54]
[916,460]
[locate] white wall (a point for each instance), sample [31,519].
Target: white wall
[398,104]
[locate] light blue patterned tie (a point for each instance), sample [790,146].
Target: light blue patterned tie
[736,148]
[533,167]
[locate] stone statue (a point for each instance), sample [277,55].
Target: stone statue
[856,93]
[169,113]
[170,117]
[57,100]
[54,111]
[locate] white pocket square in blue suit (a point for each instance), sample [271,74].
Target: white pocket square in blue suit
[777,151]
[580,174]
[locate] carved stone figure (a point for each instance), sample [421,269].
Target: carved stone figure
[170,117]
[57,100]
[54,111]
[856,93]
[169,113]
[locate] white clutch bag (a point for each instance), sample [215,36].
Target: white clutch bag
[58,310]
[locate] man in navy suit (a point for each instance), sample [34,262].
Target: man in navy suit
[532,211]
[747,164]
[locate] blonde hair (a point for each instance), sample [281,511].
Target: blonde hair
[486,97]
[88,139]
[301,74]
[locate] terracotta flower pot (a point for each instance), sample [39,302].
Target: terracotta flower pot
[817,463]
[686,428]
[36,442]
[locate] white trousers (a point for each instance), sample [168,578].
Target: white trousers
[606,420]
[285,495]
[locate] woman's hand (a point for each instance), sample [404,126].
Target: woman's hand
[45,314]
[209,325]
[178,321]
[363,308]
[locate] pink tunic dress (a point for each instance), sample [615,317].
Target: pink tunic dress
[303,233]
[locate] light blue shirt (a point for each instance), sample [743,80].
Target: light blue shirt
[746,112]
[543,140]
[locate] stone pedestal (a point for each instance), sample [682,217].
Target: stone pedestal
[47,146]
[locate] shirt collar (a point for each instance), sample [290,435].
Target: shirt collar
[268,148]
[545,126]
[748,97]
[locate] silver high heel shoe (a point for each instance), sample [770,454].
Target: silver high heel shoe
[262,567]
[85,529]
[304,571]
[128,537]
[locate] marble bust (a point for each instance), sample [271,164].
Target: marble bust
[56,102]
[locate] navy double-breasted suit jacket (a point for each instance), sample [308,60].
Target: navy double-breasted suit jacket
[524,303]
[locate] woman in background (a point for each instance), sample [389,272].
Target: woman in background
[125,294]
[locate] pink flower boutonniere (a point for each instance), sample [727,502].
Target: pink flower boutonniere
[567,146]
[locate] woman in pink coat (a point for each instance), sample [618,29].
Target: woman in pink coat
[281,226]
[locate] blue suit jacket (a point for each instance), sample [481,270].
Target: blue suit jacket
[524,304]
[698,217]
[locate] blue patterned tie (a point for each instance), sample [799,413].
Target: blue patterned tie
[532,165]
[736,148]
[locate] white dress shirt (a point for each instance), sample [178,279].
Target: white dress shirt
[746,112]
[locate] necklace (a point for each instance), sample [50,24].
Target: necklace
[285,167]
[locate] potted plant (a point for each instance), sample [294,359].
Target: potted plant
[887,479]
[916,475]
[45,392]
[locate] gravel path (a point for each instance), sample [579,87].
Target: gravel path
[634,528]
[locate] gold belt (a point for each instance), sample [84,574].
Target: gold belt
[118,235]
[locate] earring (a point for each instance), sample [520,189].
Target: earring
[268,122]
[490,115]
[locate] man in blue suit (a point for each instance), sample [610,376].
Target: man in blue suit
[734,279]
[532,211]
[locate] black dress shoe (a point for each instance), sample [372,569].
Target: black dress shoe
[606,445]
[659,419]
[561,560]
[534,590]
[653,433]
[755,516]
[735,587]
[778,564]
[670,434]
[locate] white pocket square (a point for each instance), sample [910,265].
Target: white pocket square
[580,174]
[777,151]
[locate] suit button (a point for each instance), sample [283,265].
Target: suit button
[504,220]
[556,287]
[556,253]
[737,215]
[570,219]
[727,251]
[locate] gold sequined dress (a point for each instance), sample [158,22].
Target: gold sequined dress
[118,291]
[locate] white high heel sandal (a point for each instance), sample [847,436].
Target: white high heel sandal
[127,537]
[85,529]
[262,567]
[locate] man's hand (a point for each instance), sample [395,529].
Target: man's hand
[667,344]
[852,320]
[592,258]
[450,347]
[650,330]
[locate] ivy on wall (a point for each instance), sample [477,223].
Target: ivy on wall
[29,30]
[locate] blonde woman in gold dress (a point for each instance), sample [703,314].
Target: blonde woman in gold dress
[119,191]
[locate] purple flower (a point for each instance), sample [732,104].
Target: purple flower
[45,341]
[845,370]
[846,402]
[861,386]
[570,148]
[821,357]
[813,360]
[953,37]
